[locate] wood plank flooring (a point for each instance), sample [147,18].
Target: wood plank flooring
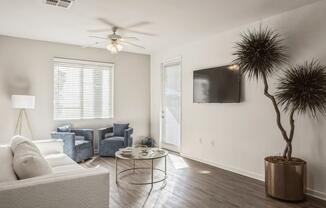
[190,184]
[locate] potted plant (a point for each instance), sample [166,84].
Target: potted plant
[301,89]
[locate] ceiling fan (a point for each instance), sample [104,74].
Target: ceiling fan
[115,42]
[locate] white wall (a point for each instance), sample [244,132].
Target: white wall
[238,136]
[33,60]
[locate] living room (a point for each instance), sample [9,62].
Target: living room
[101,89]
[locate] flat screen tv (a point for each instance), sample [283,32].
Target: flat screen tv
[217,85]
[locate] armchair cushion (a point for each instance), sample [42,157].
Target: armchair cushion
[108,135]
[79,138]
[119,129]
[115,140]
[64,128]
[81,142]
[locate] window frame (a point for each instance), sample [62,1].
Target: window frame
[83,62]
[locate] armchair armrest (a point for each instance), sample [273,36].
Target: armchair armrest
[88,134]
[68,140]
[103,131]
[127,135]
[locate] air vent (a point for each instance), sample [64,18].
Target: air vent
[59,3]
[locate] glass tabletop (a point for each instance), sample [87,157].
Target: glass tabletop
[140,153]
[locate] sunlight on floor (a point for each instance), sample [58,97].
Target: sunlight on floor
[178,162]
[204,172]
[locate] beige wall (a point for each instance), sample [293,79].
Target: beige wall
[33,60]
[238,136]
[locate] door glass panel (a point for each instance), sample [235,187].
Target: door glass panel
[171,105]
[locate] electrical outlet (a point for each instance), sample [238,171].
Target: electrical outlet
[200,140]
[213,143]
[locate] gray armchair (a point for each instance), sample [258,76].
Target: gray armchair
[78,143]
[111,139]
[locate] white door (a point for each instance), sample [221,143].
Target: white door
[171,105]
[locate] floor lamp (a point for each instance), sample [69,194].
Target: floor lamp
[23,102]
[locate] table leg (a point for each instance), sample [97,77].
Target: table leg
[152,180]
[116,170]
[165,166]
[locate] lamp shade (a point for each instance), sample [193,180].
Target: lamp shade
[23,101]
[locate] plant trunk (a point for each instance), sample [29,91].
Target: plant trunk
[288,150]
[289,144]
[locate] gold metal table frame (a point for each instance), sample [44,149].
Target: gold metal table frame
[119,156]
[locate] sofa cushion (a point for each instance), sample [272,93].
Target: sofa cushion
[6,171]
[56,160]
[67,168]
[119,129]
[49,146]
[28,161]
[64,128]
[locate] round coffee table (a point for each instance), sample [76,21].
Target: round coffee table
[140,153]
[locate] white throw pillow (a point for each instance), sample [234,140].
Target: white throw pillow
[20,140]
[28,161]
[6,170]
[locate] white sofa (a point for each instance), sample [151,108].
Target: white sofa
[69,186]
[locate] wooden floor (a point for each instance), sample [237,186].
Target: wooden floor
[190,184]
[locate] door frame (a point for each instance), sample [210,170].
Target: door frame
[176,60]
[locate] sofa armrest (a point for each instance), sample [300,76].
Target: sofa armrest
[89,188]
[49,146]
[103,131]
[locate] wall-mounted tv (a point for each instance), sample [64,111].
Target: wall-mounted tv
[217,85]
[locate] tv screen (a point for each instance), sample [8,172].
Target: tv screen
[217,85]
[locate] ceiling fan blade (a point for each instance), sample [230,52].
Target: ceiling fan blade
[138,24]
[133,44]
[126,38]
[94,44]
[107,22]
[138,32]
[100,30]
[98,37]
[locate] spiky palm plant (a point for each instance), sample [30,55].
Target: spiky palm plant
[302,89]
[259,55]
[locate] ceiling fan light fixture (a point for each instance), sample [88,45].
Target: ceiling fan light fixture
[114,47]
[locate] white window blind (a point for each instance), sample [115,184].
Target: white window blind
[82,89]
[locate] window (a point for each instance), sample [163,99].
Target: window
[82,89]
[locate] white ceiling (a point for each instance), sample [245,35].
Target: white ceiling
[174,21]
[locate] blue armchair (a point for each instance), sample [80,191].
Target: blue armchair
[78,143]
[111,139]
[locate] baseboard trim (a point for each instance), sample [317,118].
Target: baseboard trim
[316,194]
[310,192]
